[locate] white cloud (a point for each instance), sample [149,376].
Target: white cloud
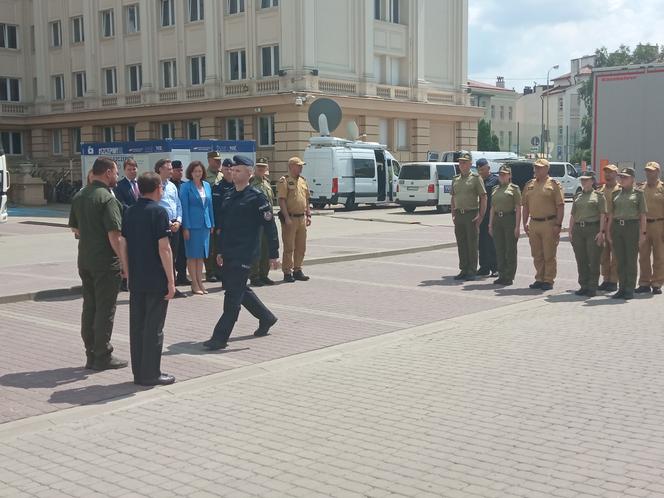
[522,39]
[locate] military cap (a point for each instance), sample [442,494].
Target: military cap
[296,160]
[214,155]
[262,164]
[243,161]
[611,167]
[465,156]
[542,163]
[505,169]
[227,162]
[177,164]
[653,166]
[627,172]
[587,175]
[481,162]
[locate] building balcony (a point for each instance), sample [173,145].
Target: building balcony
[14,109]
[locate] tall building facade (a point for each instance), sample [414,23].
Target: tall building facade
[499,105]
[74,71]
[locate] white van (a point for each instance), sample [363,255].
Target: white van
[568,176]
[4,186]
[349,172]
[453,156]
[426,184]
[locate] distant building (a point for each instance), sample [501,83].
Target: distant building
[499,104]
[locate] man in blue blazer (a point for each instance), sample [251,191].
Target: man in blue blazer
[126,190]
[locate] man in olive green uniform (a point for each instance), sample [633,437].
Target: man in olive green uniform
[295,216]
[261,267]
[468,208]
[543,210]
[214,177]
[651,276]
[505,225]
[586,233]
[96,218]
[626,231]
[609,264]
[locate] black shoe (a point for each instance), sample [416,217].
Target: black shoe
[214,345]
[123,285]
[179,294]
[619,295]
[591,293]
[507,283]
[182,281]
[90,360]
[499,281]
[535,285]
[546,286]
[656,290]
[581,292]
[460,276]
[642,289]
[628,295]
[267,281]
[494,274]
[470,278]
[162,380]
[611,287]
[256,283]
[112,363]
[211,278]
[604,286]
[483,272]
[264,328]
[288,277]
[298,275]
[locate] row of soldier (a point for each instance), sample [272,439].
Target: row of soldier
[610,228]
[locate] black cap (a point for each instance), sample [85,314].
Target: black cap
[481,162]
[227,162]
[243,161]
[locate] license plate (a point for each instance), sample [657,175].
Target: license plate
[412,188]
[447,189]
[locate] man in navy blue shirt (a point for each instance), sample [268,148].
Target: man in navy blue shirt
[245,210]
[487,249]
[146,227]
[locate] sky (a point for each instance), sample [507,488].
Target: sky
[522,39]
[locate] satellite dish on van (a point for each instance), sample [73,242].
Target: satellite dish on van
[330,111]
[353,131]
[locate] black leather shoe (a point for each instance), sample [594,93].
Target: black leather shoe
[267,281]
[498,281]
[90,360]
[656,290]
[460,276]
[256,283]
[179,294]
[123,285]
[112,363]
[611,287]
[162,380]
[288,277]
[264,328]
[546,287]
[619,295]
[628,295]
[581,292]
[591,293]
[535,285]
[603,286]
[214,345]
[642,289]
[507,283]
[298,275]
[212,278]
[483,272]
[182,281]
[494,274]
[470,278]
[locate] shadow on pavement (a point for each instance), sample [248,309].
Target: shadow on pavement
[444,282]
[45,378]
[196,348]
[524,291]
[480,286]
[71,294]
[568,297]
[96,394]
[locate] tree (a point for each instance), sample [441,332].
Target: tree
[486,141]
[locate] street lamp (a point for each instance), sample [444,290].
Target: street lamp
[548,74]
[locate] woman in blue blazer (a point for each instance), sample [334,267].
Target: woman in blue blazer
[197,223]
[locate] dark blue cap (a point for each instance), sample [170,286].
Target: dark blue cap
[243,161]
[481,162]
[227,162]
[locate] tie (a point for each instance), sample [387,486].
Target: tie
[134,189]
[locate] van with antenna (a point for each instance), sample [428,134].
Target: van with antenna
[346,171]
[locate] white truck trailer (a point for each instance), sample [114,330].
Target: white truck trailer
[628,117]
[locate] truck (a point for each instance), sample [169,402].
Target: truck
[4,185]
[628,117]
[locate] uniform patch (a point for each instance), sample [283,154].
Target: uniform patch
[267,215]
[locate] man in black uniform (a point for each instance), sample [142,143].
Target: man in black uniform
[220,190]
[487,249]
[181,259]
[245,211]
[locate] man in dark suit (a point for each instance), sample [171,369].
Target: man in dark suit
[181,260]
[126,191]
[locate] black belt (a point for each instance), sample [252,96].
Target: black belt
[548,218]
[464,211]
[622,223]
[501,214]
[654,220]
[296,215]
[586,223]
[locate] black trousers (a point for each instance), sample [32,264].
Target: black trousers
[174,241]
[181,259]
[100,295]
[487,248]
[234,278]
[147,314]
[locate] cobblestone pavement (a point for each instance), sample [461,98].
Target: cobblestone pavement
[554,396]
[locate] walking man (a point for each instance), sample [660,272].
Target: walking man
[214,177]
[295,216]
[488,265]
[609,265]
[468,209]
[245,210]
[543,210]
[95,217]
[261,267]
[147,229]
[651,276]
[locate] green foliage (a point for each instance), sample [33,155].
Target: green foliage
[485,139]
[495,144]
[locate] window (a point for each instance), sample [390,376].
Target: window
[109,134]
[135,75]
[167,130]
[560,133]
[196,10]
[561,104]
[235,6]
[502,138]
[8,36]
[235,129]
[58,87]
[55,30]
[107,23]
[167,13]
[493,112]
[12,142]
[193,130]
[266,131]
[510,115]
[364,168]
[168,74]
[415,172]
[132,19]
[10,89]
[502,112]
[76,140]
[557,170]
[238,64]
[197,70]
[110,81]
[383,128]
[266,4]
[387,10]
[80,84]
[401,134]
[77,34]
[32,39]
[56,141]
[131,133]
[445,171]
[509,140]
[270,60]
